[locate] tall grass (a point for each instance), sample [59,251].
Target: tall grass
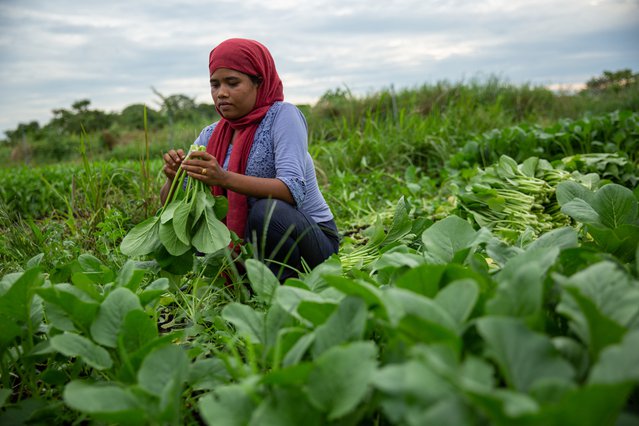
[366,150]
[424,126]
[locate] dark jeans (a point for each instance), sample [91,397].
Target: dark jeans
[284,236]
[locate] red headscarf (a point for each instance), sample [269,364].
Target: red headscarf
[252,58]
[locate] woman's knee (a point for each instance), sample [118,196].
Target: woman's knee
[264,212]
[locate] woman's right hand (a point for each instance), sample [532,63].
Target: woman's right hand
[172,161]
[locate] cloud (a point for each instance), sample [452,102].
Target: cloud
[53,53]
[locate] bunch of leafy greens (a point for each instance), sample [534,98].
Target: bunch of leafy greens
[188,222]
[511,198]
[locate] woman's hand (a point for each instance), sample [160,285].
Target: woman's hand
[172,161]
[204,167]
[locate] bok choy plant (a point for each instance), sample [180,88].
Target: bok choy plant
[188,222]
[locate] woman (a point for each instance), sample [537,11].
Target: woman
[257,156]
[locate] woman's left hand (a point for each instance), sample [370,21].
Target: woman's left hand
[204,167]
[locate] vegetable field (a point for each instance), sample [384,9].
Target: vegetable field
[488,275]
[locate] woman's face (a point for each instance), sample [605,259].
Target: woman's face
[233,92]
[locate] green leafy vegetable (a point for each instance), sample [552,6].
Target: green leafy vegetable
[188,222]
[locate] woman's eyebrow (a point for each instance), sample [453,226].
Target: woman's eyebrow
[227,79]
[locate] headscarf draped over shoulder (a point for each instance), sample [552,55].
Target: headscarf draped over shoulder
[254,59]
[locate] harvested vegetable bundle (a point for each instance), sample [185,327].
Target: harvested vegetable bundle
[189,221]
[511,198]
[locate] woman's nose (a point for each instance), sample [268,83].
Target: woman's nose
[222,92]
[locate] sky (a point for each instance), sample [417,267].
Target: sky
[53,53]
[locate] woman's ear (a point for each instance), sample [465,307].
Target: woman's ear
[257,80]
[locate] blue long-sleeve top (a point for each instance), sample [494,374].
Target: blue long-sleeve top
[280,150]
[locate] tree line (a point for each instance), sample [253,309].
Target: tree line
[58,139]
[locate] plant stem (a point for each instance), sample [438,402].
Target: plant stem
[169,198]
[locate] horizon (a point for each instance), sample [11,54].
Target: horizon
[56,53]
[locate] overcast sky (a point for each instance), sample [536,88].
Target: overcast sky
[112,52]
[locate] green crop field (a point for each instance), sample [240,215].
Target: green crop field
[488,272]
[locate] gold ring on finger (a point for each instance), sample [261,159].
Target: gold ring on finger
[203,172]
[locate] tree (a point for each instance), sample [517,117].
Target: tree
[132,117]
[178,107]
[80,117]
[23,130]
[612,80]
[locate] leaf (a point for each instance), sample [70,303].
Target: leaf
[570,190]
[32,263]
[327,388]
[524,357]
[16,301]
[424,279]
[181,223]
[315,280]
[591,405]
[129,276]
[202,201]
[208,373]
[413,381]
[164,367]
[138,329]
[600,301]
[211,234]
[618,363]
[286,407]
[290,297]
[581,211]
[621,241]
[345,324]
[246,320]
[142,239]
[595,330]
[315,312]
[220,204]
[292,375]
[401,224]
[366,291]
[111,314]
[417,329]
[73,345]
[420,306]
[4,395]
[542,257]
[228,405]
[295,354]
[565,237]
[171,242]
[502,405]
[396,260]
[176,265]
[15,304]
[262,280]
[90,263]
[452,411]
[458,299]
[616,205]
[612,290]
[169,211]
[154,290]
[79,307]
[275,320]
[105,401]
[519,296]
[446,237]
